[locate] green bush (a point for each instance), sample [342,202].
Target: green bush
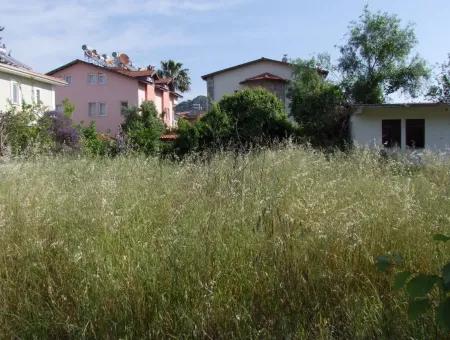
[143,128]
[24,129]
[97,144]
[245,119]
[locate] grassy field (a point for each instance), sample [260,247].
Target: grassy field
[278,243]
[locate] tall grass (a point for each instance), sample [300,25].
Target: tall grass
[276,243]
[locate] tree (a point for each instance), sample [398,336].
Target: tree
[245,119]
[143,128]
[376,61]
[179,75]
[440,92]
[318,105]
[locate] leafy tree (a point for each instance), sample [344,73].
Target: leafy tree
[376,61]
[318,105]
[179,75]
[440,92]
[247,118]
[143,128]
[68,108]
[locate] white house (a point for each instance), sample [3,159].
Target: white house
[406,126]
[18,83]
[274,75]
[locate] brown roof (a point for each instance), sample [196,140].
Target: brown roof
[246,64]
[169,137]
[136,74]
[265,76]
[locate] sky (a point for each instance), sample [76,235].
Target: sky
[205,35]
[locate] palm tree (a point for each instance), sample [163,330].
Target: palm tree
[180,76]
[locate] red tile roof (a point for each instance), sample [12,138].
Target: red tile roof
[135,74]
[169,137]
[265,76]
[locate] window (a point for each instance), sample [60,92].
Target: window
[92,109]
[391,132]
[68,79]
[102,109]
[38,96]
[101,78]
[415,133]
[15,93]
[123,106]
[59,108]
[92,79]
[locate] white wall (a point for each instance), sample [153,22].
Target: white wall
[26,85]
[228,82]
[366,126]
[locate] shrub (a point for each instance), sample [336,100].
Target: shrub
[142,128]
[248,118]
[97,144]
[61,130]
[22,129]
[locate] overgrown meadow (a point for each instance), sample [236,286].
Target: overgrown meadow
[277,243]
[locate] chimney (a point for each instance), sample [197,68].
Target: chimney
[285,58]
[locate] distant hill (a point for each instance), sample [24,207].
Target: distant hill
[199,103]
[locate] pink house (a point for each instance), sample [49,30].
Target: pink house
[101,93]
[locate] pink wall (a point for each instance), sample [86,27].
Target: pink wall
[117,89]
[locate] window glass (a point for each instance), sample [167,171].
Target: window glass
[391,132]
[92,109]
[102,109]
[92,79]
[101,78]
[415,133]
[68,79]
[15,93]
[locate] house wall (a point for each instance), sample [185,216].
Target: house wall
[26,85]
[366,126]
[159,100]
[229,82]
[117,89]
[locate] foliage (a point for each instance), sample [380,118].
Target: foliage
[21,129]
[376,60]
[97,144]
[243,120]
[440,92]
[61,130]
[420,289]
[143,128]
[179,75]
[277,243]
[68,108]
[319,106]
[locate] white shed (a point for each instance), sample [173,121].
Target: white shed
[407,126]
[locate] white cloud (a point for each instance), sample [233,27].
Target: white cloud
[47,33]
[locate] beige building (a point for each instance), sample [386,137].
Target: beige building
[19,84]
[274,75]
[405,126]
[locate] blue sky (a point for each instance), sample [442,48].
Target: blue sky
[206,35]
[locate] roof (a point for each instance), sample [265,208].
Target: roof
[135,74]
[26,73]
[403,105]
[169,137]
[126,73]
[265,76]
[246,64]
[360,107]
[7,59]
